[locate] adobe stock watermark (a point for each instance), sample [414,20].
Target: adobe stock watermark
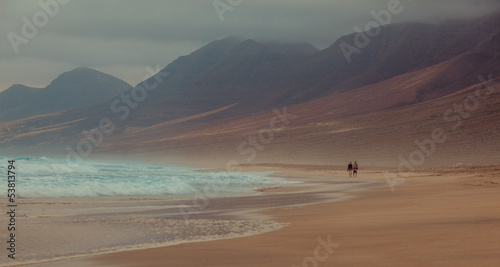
[258,142]
[427,146]
[120,105]
[223,6]
[321,253]
[250,147]
[31,27]
[372,29]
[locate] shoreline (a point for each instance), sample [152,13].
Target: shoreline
[247,218]
[313,223]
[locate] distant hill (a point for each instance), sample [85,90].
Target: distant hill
[12,101]
[73,89]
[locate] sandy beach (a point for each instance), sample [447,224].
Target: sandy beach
[433,217]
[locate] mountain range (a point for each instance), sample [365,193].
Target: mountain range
[213,102]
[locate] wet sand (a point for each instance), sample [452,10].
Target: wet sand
[58,229]
[435,217]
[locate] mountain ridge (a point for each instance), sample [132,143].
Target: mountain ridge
[224,92]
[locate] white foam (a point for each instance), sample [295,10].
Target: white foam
[45,177]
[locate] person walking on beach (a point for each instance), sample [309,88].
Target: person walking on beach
[355,169]
[349,169]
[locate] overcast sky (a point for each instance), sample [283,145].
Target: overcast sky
[123,37]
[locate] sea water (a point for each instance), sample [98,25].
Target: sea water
[66,210]
[46,177]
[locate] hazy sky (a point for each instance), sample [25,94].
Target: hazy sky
[123,37]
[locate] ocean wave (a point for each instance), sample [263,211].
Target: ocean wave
[46,177]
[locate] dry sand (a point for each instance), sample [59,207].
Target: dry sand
[434,217]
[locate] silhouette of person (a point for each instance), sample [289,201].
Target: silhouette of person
[355,169]
[349,169]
